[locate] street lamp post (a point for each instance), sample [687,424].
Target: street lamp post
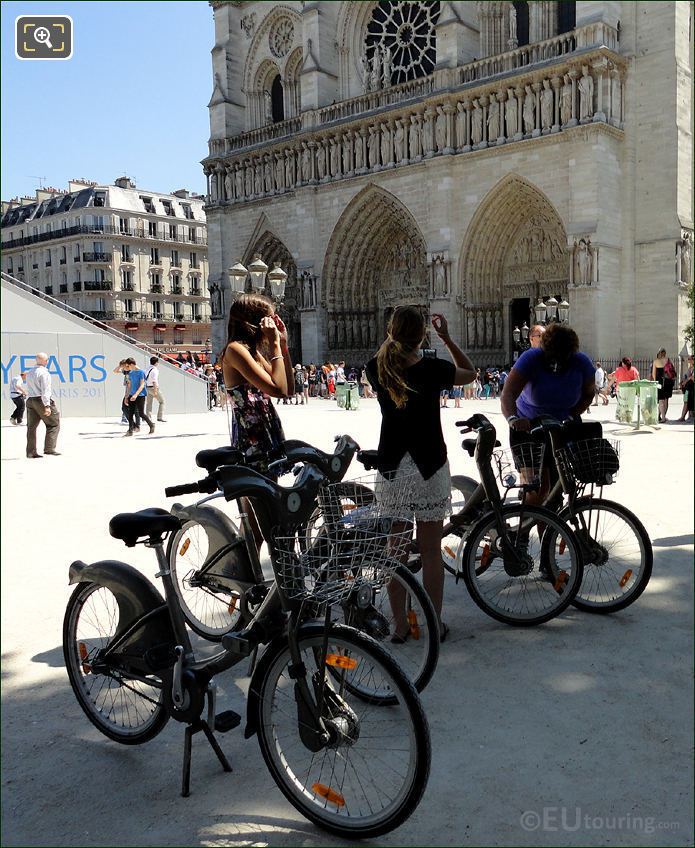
[258,272]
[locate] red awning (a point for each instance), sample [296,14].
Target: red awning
[160,326]
[179,326]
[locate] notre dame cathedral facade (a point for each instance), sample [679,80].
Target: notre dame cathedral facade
[492,161]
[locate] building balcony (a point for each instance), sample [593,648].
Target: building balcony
[48,263]
[552,86]
[198,318]
[127,287]
[156,263]
[64,288]
[157,288]
[49,289]
[35,266]
[107,229]
[176,290]
[97,285]
[100,315]
[76,287]
[194,291]
[176,263]
[20,269]
[98,258]
[63,261]
[127,259]
[130,313]
[179,316]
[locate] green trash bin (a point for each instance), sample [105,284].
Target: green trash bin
[645,393]
[353,396]
[341,394]
[627,393]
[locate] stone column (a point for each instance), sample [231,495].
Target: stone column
[519,94]
[428,133]
[616,98]
[387,145]
[449,112]
[207,171]
[536,86]
[556,82]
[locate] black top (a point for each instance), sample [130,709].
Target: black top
[416,429]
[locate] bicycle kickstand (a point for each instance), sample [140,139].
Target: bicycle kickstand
[223,722]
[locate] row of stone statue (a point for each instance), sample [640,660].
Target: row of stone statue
[484,328]
[356,331]
[376,69]
[473,123]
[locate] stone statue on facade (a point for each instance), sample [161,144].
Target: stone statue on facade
[289,168]
[366,72]
[511,114]
[439,278]
[386,61]
[512,23]
[215,300]
[279,172]
[480,322]
[239,181]
[359,152]
[306,162]
[460,124]
[476,123]
[685,269]
[268,174]
[546,106]
[498,324]
[228,186]
[348,331]
[493,121]
[385,144]
[347,151]
[307,290]
[373,145]
[398,140]
[372,331]
[470,329]
[332,331]
[566,100]
[440,129]
[375,75]
[586,95]
[414,137]
[321,160]
[258,177]
[267,107]
[335,157]
[356,340]
[583,262]
[529,111]
[248,178]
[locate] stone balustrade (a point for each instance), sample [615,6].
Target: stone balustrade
[530,102]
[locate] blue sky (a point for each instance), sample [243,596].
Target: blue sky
[133,98]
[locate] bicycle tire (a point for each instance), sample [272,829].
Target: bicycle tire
[419,654]
[111,709]
[555,591]
[210,610]
[350,494]
[347,811]
[461,490]
[621,572]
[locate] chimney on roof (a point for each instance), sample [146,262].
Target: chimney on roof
[124,182]
[181,192]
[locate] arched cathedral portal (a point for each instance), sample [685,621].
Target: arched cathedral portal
[515,251]
[375,261]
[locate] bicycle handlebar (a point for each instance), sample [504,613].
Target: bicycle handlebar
[207,485]
[476,422]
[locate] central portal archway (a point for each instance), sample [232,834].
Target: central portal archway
[375,261]
[515,251]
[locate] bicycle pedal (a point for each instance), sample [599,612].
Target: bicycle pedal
[226,721]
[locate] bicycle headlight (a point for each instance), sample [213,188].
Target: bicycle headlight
[364,596]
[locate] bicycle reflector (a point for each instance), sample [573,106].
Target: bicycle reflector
[84,653]
[625,578]
[184,547]
[561,580]
[412,623]
[329,794]
[341,661]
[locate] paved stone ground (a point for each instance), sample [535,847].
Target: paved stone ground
[533,731]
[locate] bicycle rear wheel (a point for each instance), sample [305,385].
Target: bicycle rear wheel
[617,553]
[349,496]
[513,577]
[419,653]
[372,773]
[127,710]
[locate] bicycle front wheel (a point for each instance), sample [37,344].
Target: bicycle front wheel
[462,488]
[127,710]
[617,553]
[509,572]
[371,774]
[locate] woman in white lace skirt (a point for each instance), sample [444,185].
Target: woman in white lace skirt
[412,453]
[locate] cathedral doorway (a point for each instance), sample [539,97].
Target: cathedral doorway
[515,251]
[375,261]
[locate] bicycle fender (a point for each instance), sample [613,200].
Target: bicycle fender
[279,644]
[220,529]
[135,596]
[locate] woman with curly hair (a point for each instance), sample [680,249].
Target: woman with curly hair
[411,444]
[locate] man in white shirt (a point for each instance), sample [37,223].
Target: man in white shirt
[600,381]
[18,394]
[153,390]
[41,407]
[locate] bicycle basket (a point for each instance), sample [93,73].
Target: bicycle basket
[592,460]
[520,466]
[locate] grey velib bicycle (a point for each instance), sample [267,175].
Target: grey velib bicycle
[219,581]
[347,762]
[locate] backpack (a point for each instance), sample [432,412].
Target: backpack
[669,370]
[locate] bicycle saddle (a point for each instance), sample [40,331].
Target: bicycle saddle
[469,445]
[368,458]
[212,459]
[131,526]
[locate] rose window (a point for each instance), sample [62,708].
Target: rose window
[281,37]
[406,29]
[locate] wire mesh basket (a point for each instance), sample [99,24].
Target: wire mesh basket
[521,466]
[365,527]
[591,460]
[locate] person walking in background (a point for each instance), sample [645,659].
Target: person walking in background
[664,372]
[18,395]
[41,407]
[305,385]
[456,395]
[153,390]
[122,369]
[624,372]
[298,384]
[535,334]
[211,378]
[312,376]
[601,384]
[137,394]
[687,389]
[477,385]
[412,451]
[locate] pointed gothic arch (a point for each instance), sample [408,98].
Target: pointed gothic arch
[514,251]
[375,260]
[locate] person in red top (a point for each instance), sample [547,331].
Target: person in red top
[625,371]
